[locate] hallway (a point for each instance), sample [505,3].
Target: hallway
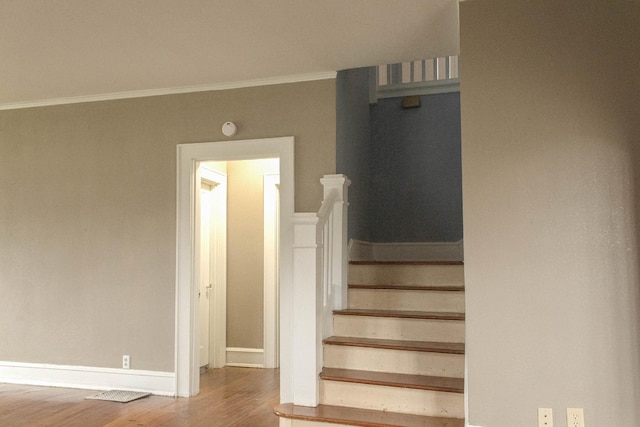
[228,397]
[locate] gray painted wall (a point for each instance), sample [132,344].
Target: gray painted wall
[404,165]
[353,145]
[245,251]
[88,214]
[551,154]
[416,178]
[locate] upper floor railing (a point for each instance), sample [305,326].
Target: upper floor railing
[422,77]
[320,284]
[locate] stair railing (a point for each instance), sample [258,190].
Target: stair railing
[320,284]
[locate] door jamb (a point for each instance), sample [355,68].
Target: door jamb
[270,321]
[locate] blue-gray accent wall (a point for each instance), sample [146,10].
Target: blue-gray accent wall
[353,141]
[405,164]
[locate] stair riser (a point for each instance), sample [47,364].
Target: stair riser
[428,275]
[398,361]
[399,328]
[303,423]
[395,399]
[441,301]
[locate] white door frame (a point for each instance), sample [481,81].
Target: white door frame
[271,274]
[186,343]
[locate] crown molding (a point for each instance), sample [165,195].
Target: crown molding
[171,91]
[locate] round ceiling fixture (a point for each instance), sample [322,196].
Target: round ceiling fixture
[229,129]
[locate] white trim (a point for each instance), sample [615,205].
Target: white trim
[424,88]
[87,377]
[340,248]
[212,177]
[406,251]
[307,304]
[186,346]
[204,271]
[270,266]
[172,91]
[218,261]
[429,87]
[466,394]
[245,357]
[320,277]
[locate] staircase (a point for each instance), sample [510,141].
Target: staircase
[397,354]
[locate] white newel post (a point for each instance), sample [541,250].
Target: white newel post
[314,295]
[339,183]
[307,361]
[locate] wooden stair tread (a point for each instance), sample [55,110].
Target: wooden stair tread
[405,314]
[361,417]
[424,346]
[420,382]
[406,262]
[408,287]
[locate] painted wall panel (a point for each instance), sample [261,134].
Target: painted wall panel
[404,164]
[245,242]
[416,179]
[353,146]
[550,144]
[88,214]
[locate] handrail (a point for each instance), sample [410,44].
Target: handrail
[320,284]
[327,206]
[422,77]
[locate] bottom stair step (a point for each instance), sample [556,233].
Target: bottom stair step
[361,417]
[380,391]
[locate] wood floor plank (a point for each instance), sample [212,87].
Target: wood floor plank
[362,417]
[421,382]
[401,314]
[228,397]
[406,262]
[400,287]
[424,346]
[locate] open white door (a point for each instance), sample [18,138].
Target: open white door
[204,290]
[216,259]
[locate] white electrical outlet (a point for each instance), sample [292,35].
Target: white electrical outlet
[545,417]
[126,361]
[575,417]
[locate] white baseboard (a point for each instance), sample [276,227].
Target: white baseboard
[91,378]
[245,357]
[403,251]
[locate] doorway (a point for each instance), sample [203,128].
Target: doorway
[212,262]
[238,231]
[189,156]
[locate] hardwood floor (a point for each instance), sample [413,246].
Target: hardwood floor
[228,397]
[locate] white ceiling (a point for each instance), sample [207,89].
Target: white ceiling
[56,50]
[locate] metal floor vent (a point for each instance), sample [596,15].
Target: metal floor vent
[122,396]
